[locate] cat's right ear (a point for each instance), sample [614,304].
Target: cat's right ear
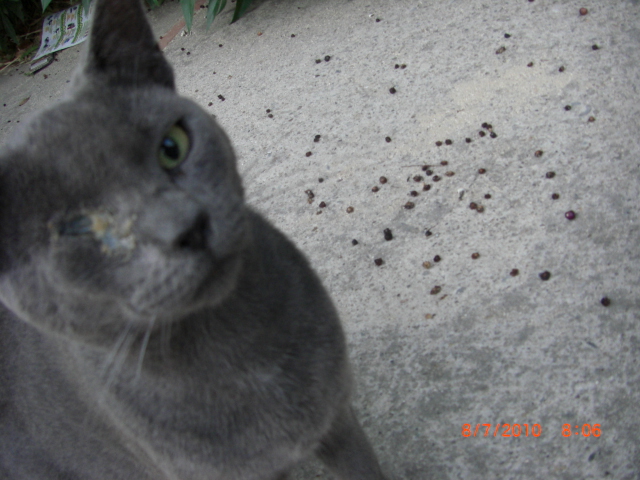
[122,48]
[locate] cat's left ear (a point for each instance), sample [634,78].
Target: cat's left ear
[122,48]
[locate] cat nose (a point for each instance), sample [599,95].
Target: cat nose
[195,237]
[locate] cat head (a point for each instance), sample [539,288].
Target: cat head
[121,204]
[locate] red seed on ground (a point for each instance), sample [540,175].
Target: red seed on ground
[570,215]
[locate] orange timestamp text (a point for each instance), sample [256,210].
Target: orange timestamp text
[526,430]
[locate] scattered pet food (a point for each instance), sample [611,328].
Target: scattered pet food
[546,275]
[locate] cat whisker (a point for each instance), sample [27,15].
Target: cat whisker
[110,360]
[143,347]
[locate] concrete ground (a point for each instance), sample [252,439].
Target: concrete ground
[489,347]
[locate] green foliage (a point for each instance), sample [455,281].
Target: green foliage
[18,17]
[11,13]
[213,9]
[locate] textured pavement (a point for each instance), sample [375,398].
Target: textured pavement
[463,342]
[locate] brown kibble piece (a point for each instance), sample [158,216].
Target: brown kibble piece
[538,153]
[322,205]
[605,301]
[308,154]
[426,264]
[481,133]
[480,209]
[561,69]
[555,196]
[417,178]
[354,242]
[409,205]
[475,255]
[383,180]
[444,162]
[437,258]
[413,193]
[438,143]
[583,11]
[473,206]
[550,174]
[387,139]
[375,189]
[388,235]
[435,178]
[392,90]
[514,272]
[501,50]
[426,187]
[349,209]
[378,261]
[448,142]
[592,119]
[450,174]
[435,290]
[546,275]
[482,171]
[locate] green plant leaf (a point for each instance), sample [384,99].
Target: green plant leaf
[241,7]
[188,6]
[8,26]
[45,4]
[15,7]
[214,9]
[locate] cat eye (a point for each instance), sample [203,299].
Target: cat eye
[173,148]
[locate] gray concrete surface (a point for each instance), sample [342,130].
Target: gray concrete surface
[489,348]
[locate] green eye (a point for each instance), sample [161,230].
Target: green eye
[173,148]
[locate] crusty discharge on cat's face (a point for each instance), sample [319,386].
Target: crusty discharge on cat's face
[142,206]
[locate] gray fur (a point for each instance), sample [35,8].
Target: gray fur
[153,326]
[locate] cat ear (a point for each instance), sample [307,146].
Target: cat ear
[122,48]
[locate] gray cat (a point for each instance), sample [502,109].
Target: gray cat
[153,326]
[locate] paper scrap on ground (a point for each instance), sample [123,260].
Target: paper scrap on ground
[64,29]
